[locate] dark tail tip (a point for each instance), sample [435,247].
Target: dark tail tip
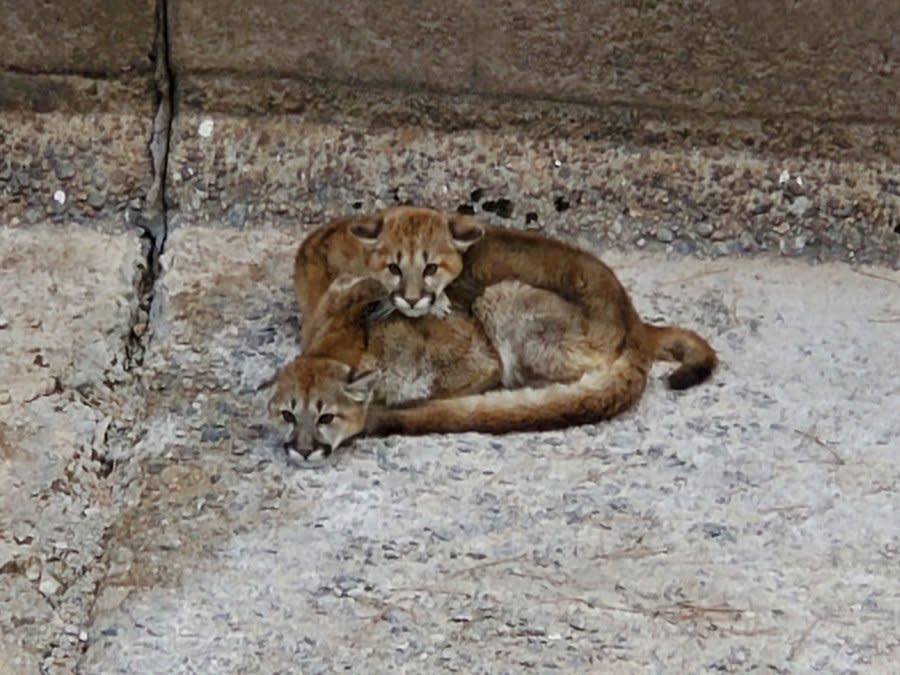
[687,376]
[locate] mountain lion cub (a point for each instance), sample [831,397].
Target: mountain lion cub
[415,253]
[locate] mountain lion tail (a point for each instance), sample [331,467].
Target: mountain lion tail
[697,358]
[598,395]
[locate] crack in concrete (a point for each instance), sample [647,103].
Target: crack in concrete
[154,230]
[157,224]
[155,218]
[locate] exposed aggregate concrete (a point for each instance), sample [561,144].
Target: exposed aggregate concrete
[706,201]
[66,311]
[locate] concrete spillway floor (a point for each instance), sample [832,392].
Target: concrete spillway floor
[149,524]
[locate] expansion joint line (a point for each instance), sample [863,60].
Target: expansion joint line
[155,218]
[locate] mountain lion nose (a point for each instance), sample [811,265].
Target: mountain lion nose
[411,302]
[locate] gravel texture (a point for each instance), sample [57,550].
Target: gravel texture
[63,169]
[247,172]
[749,523]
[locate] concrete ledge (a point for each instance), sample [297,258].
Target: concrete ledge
[716,130]
[294,171]
[732,59]
[68,298]
[88,169]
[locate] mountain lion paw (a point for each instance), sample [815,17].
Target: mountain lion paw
[441,307]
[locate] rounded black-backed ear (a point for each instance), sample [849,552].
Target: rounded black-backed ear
[465,230]
[360,385]
[369,230]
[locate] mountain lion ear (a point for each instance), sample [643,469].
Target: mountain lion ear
[368,231]
[465,231]
[359,386]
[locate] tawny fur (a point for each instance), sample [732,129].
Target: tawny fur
[600,338]
[571,336]
[572,370]
[585,281]
[418,243]
[453,354]
[352,361]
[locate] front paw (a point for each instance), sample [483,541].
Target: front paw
[380,310]
[441,307]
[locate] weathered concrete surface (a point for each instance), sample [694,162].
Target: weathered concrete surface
[762,59]
[77,101]
[709,201]
[746,524]
[77,56]
[75,169]
[67,305]
[719,130]
[105,38]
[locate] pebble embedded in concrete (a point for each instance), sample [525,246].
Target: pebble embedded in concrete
[49,586]
[705,228]
[665,235]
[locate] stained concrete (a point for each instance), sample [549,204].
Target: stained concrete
[761,59]
[87,37]
[747,523]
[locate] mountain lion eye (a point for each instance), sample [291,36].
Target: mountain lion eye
[430,269]
[288,417]
[394,269]
[327,418]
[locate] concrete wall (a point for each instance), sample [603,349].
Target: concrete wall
[107,38]
[77,99]
[306,94]
[77,55]
[823,59]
